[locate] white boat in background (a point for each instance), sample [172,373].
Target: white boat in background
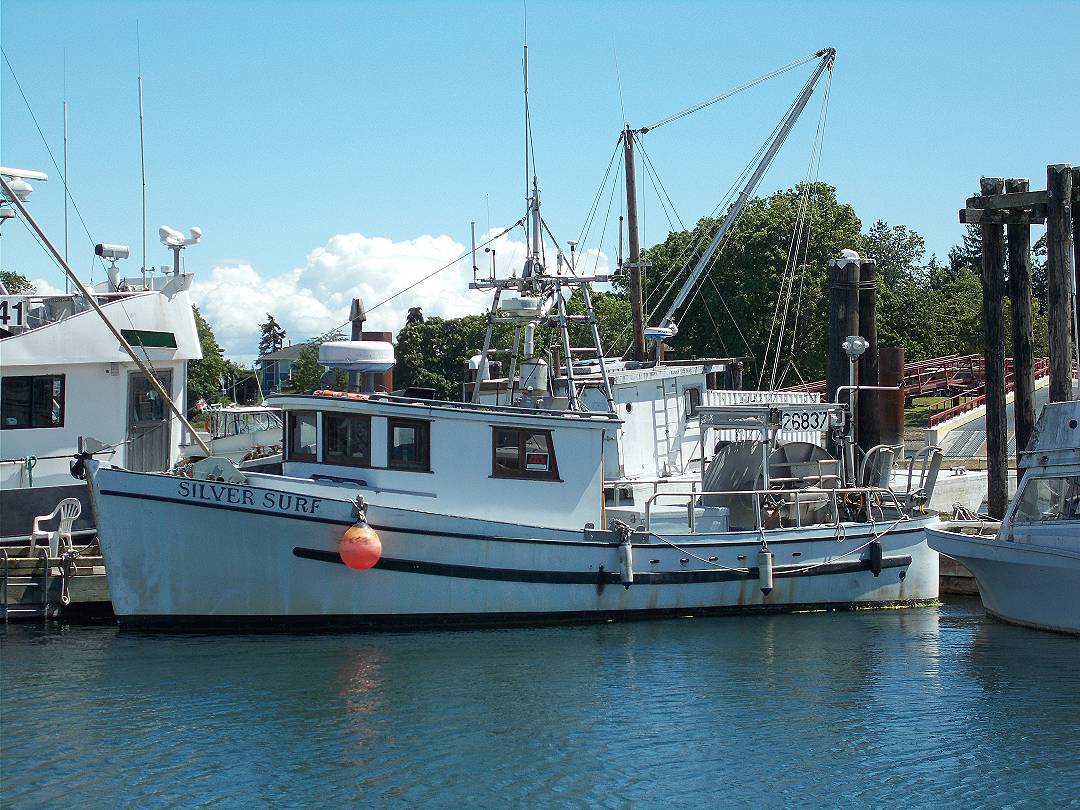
[240,433]
[1028,565]
[66,379]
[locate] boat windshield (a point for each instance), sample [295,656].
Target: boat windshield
[1049,499]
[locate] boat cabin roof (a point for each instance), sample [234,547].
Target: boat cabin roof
[325,400]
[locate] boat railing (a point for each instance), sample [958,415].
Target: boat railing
[42,310]
[769,505]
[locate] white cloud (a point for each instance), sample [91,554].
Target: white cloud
[313,299]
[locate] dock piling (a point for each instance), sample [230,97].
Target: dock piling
[993,281]
[1060,277]
[1019,264]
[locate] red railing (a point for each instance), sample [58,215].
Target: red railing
[953,373]
[976,397]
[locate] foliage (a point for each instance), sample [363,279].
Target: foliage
[732,313]
[272,335]
[205,376]
[416,315]
[307,372]
[433,353]
[16,283]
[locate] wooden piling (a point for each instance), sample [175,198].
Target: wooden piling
[1060,277]
[993,281]
[1076,238]
[890,404]
[843,321]
[1019,259]
[869,430]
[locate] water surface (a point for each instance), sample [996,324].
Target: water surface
[899,708]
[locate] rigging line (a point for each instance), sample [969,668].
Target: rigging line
[787,282]
[48,149]
[656,188]
[503,233]
[587,226]
[817,173]
[684,259]
[603,232]
[733,91]
[650,167]
[800,245]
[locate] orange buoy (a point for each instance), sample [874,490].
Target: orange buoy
[360,547]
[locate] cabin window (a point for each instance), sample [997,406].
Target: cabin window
[32,402]
[302,428]
[520,453]
[693,400]
[408,444]
[1049,499]
[347,439]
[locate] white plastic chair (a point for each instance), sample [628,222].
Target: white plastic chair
[69,510]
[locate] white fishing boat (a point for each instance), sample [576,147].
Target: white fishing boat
[407,511]
[68,386]
[1028,565]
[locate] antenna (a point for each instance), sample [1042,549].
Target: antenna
[526,79]
[67,282]
[474,267]
[142,152]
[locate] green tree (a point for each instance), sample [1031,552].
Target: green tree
[307,372]
[16,283]
[272,335]
[205,376]
[732,312]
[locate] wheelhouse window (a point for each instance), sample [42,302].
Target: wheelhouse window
[302,429]
[1049,499]
[518,453]
[693,400]
[347,439]
[408,444]
[32,402]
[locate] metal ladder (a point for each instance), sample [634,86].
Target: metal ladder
[41,609]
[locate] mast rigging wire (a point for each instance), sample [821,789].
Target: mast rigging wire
[733,91]
[48,149]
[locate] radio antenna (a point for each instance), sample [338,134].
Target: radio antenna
[142,152]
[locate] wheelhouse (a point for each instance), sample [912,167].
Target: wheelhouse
[498,463]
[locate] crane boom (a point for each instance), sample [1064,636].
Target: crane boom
[667,323]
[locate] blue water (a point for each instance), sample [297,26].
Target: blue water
[928,707]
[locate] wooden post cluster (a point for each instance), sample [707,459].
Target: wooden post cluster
[1013,204]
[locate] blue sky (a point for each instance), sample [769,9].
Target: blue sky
[336,148]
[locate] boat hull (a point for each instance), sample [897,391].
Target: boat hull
[1020,583]
[183,553]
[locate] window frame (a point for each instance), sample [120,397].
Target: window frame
[33,378]
[290,429]
[692,407]
[423,438]
[522,473]
[345,461]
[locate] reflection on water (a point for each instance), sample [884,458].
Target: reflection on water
[903,708]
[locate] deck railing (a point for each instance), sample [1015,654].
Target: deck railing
[770,504]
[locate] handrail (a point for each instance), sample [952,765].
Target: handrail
[758,495]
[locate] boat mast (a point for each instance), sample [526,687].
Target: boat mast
[142,154]
[637,305]
[668,327]
[97,308]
